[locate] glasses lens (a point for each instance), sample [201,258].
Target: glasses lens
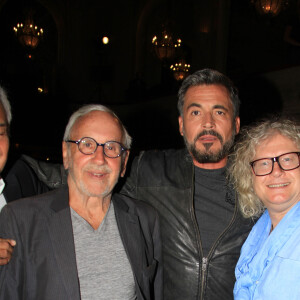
[87,146]
[262,166]
[112,149]
[289,161]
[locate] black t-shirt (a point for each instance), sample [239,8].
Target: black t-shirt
[214,204]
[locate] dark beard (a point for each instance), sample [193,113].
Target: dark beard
[207,156]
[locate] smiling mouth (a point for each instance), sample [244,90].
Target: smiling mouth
[278,185]
[99,175]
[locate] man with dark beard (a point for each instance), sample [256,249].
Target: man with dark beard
[202,229]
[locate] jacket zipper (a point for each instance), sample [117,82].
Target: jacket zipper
[203,276]
[205,260]
[202,267]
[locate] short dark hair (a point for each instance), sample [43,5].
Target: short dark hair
[209,77]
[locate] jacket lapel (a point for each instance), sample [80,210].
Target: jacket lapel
[61,235]
[130,232]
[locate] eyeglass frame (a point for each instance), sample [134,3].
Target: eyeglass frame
[97,145]
[275,159]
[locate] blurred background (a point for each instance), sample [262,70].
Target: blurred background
[56,55]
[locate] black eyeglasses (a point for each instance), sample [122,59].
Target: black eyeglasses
[87,146]
[287,161]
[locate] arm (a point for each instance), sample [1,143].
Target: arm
[11,285]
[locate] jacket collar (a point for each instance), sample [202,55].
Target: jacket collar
[61,235]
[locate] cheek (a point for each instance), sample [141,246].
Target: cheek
[257,186]
[116,166]
[4,145]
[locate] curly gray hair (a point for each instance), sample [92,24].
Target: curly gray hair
[240,172]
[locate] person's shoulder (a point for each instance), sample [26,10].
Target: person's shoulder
[161,159]
[158,167]
[165,154]
[34,204]
[132,205]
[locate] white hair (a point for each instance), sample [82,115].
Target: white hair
[6,105]
[84,110]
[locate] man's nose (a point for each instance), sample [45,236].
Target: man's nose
[208,121]
[99,154]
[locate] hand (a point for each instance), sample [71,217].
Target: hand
[6,250]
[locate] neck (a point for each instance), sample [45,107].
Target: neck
[92,209]
[211,166]
[276,216]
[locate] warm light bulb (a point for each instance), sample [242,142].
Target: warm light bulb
[105,40]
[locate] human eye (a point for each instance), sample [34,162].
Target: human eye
[195,113]
[110,146]
[87,143]
[113,148]
[263,163]
[220,112]
[289,158]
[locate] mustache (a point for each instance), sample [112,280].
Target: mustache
[209,132]
[97,168]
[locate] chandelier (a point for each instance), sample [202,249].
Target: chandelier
[165,45]
[180,70]
[269,7]
[28,34]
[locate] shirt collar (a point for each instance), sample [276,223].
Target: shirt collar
[2,185]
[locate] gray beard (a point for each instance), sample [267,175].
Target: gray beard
[207,156]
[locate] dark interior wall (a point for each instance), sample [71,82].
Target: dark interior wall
[76,68]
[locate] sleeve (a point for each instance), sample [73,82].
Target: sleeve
[11,283]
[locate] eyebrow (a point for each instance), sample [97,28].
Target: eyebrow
[3,124]
[217,106]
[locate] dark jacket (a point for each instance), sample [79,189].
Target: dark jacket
[165,179]
[43,265]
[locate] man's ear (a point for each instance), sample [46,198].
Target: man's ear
[237,125]
[124,163]
[180,121]
[65,155]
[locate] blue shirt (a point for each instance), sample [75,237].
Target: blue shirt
[269,265]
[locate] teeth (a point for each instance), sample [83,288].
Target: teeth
[278,185]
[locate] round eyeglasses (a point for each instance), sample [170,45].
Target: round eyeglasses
[287,161]
[88,146]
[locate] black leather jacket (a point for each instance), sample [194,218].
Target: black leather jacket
[165,179]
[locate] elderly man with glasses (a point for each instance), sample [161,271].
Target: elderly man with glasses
[265,171]
[51,258]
